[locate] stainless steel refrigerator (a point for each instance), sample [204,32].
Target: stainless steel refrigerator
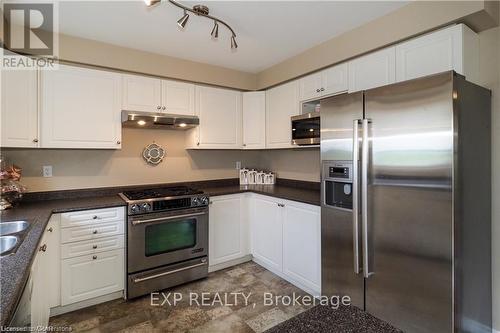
[406,203]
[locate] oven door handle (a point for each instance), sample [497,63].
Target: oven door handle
[175,217]
[154,276]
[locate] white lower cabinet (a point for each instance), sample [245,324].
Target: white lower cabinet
[267,245]
[228,229]
[285,236]
[302,245]
[92,245]
[91,276]
[286,239]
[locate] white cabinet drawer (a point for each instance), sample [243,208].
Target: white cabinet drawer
[87,217]
[70,250]
[92,275]
[94,231]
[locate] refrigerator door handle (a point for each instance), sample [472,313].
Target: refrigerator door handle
[364,197]
[355,195]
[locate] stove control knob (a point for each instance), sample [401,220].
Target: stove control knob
[196,201]
[204,201]
[135,208]
[146,207]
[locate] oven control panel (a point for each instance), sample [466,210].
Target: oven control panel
[158,205]
[199,201]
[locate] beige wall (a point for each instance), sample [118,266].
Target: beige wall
[101,168]
[490,77]
[300,164]
[94,53]
[413,19]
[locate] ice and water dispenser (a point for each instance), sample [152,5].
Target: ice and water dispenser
[337,178]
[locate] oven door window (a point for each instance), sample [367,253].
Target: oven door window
[305,129]
[170,236]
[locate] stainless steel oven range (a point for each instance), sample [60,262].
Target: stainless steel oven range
[167,238]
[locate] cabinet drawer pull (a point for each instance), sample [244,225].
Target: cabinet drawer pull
[94,232]
[94,217]
[94,247]
[50,229]
[43,248]
[94,257]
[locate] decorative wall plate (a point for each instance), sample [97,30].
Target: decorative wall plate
[153,154]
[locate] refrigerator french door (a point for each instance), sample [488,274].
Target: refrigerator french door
[406,203]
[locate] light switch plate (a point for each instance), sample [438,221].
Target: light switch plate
[47,170]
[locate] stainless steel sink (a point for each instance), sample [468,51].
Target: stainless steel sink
[7,243]
[8,228]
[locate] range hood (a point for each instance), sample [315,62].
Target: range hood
[158,120]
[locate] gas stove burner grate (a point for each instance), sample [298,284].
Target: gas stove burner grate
[174,191]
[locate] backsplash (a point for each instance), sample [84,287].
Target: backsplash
[74,169]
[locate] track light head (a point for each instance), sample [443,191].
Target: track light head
[151,3]
[234,45]
[183,20]
[215,30]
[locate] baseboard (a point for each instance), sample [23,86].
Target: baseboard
[297,284]
[84,304]
[229,263]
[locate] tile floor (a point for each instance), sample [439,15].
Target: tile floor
[139,315]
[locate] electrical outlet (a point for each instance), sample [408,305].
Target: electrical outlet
[238,165]
[47,170]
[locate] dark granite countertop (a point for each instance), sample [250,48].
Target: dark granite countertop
[308,196]
[38,207]
[14,268]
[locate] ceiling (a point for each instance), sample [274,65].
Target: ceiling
[268,32]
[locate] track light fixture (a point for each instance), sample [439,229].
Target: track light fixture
[151,3]
[183,20]
[234,45]
[215,31]
[199,10]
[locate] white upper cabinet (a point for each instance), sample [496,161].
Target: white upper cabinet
[453,48]
[335,80]
[141,93]
[219,111]
[19,108]
[254,120]
[80,108]
[177,97]
[330,81]
[373,70]
[310,87]
[282,102]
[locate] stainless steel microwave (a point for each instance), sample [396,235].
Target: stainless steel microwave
[306,129]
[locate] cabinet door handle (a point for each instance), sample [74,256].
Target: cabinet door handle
[322,89]
[94,247]
[158,107]
[164,108]
[43,248]
[94,232]
[35,140]
[318,90]
[244,145]
[94,257]
[50,229]
[118,142]
[94,217]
